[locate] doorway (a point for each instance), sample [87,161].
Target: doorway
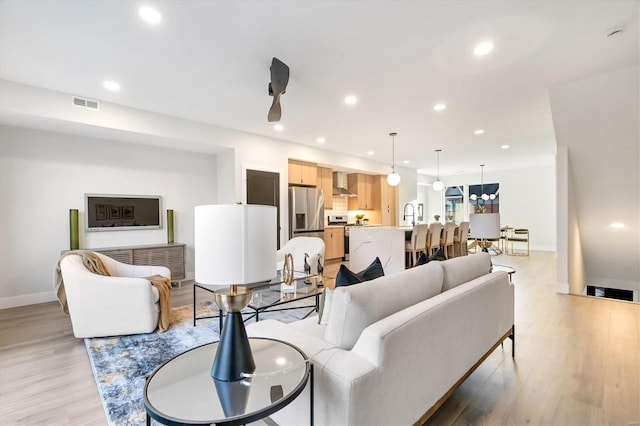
[264,188]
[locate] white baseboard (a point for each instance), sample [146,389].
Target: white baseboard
[27,299]
[562,288]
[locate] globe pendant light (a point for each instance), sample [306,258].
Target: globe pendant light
[438,185]
[393,178]
[484,196]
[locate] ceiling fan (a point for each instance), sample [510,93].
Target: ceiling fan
[277,86]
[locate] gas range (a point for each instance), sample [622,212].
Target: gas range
[337,220]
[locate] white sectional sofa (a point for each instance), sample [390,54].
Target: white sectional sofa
[392,349]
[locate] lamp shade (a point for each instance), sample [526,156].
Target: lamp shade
[484,225]
[438,185]
[235,244]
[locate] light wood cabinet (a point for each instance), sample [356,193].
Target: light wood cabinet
[169,255]
[301,173]
[362,185]
[325,181]
[386,200]
[333,243]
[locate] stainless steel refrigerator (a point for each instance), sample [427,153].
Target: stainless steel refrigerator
[306,212]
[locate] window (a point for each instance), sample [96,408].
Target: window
[477,204]
[454,202]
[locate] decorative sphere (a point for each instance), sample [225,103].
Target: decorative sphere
[393,179]
[485,197]
[438,185]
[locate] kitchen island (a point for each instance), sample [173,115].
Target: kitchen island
[386,242]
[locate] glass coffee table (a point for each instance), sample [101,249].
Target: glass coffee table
[270,296]
[182,391]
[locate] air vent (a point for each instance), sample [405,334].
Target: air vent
[85,103]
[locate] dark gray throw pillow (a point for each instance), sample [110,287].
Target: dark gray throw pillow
[439,255]
[346,277]
[422,260]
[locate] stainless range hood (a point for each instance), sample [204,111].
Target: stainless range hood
[340,185]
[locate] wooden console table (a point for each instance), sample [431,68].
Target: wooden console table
[170,255]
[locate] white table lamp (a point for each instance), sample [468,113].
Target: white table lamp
[484,226]
[234,245]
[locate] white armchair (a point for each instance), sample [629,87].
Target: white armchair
[123,303]
[298,246]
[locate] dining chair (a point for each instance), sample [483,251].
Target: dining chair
[433,237]
[418,242]
[447,239]
[460,239]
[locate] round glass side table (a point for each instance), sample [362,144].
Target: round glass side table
[508,269]
[182,391]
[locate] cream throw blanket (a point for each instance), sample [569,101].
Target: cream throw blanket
[94,264]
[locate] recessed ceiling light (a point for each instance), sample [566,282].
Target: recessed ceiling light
[439,107]
[150,15]
[478,132]
[321,140]
[505,147]
[111,85]
[278,127]
[350,100]
[406,162]
[371,152]
[617,225]
[483,48]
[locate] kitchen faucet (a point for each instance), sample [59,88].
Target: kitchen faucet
[413,213]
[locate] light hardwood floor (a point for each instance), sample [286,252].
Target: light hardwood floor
[577,362]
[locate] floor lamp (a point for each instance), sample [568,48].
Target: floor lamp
[483,227]
[234,245]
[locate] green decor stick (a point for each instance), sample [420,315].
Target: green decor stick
[169,226]
[73,229]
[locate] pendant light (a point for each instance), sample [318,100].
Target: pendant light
[438,185]
[393,178]
[484,196]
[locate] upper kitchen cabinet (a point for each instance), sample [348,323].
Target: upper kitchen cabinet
[362,185]
[301,173]
[325,181]
[385,199]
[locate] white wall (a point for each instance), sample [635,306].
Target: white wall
[596,119]
[44,174]
[527,200]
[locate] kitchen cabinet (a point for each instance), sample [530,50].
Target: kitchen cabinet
[334,243]
[386,200]
[325,181]
[362,185]
[301,173]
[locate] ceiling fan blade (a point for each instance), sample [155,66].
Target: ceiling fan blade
[277,86]
[279,76]
[275,111]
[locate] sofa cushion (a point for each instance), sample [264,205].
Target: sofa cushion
[464,268]
[354,308]
[346,277]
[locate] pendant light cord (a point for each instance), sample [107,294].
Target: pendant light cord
[482,179]
[393,151]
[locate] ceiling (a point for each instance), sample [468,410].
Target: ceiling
[209,61]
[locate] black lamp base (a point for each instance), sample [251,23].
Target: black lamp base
[233,358]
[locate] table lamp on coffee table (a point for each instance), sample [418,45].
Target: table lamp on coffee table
[234,245]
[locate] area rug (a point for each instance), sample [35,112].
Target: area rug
[121,365]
